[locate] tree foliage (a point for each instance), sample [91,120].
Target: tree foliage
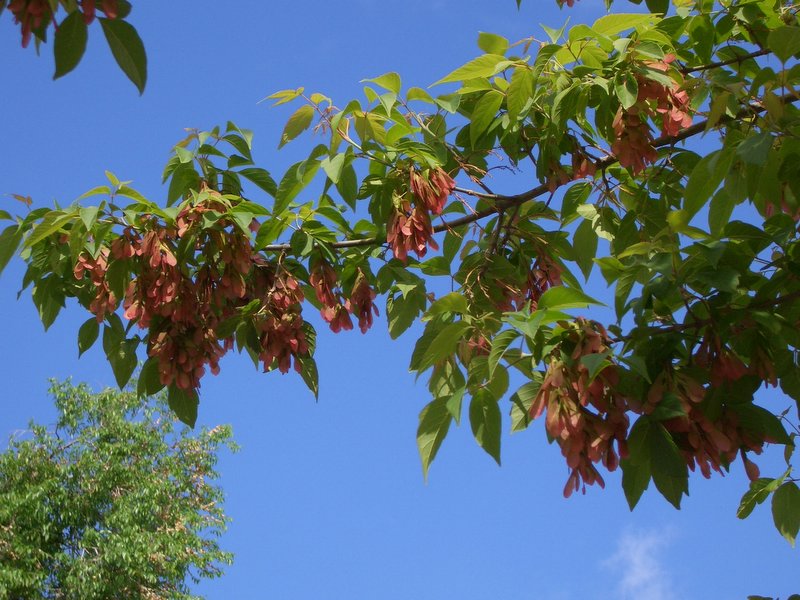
[664,150]
[112,503]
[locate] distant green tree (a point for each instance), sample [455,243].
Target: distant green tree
[112,503]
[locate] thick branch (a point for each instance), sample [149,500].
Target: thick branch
[502,202]
[725,63]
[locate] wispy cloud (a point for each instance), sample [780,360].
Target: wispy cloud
[639,568]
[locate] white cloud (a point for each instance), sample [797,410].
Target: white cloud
[637,563]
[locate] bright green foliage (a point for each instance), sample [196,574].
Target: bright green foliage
[698,244]
[112,503]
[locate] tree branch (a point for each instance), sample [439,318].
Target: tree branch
[501,202]
[725,63]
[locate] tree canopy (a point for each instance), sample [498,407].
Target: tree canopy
[111,503]
[658,149]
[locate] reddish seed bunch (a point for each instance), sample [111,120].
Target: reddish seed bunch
[34,16]
[324,281]
[432,191]
[543,274]
[336,312]
[705,444]
[362,303]
[410,229]
[633,146]
[183,307]
[279,324]
[721,362]
[584,417]
[30,15]
[104,302]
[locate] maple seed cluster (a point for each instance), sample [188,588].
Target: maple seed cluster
[335,312]
[184,305]
[33,16]
[410,228]
[542,275]
[104,302]
[584,413]
[705,444]
[633,145]
[30,15]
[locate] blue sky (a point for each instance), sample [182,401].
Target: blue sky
[327,498]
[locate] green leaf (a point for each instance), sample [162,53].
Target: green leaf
[486,422]
[615,23]
[521,401]
[297,124]
[52,223]
[261,178]
[519,91]
[69,43]
[333,167]
[595,363]
[575,196]
[309,374]
[784,42]
[185,156]
[786,510]
[450,303]
[487,65]
[128,50]
[434,422]
[500,344]
[284,96]
[627,89]
[416,93]
[87,335]
[402,311]
[706,178]
[754,150]
[48,296]
[9,242]
[484,113]
[492,44]
[183,179]
[183,404]
[720,211]
[435,266]
[293,182]
[149,383]
[584,243]
[388,81]
[560,298]
[657,6]
[635,480]
[428,352]
[667,465]
[669,407]
[760,489]
[121,354]
[454,402]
